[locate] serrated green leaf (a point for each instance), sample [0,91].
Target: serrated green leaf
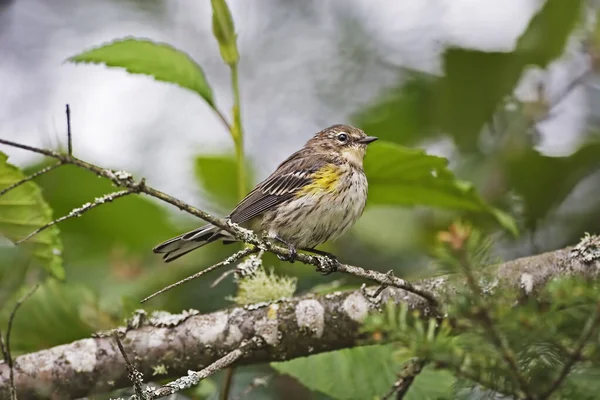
[22,210]
[401,176]
[161,61]
[357,373]
[218,176]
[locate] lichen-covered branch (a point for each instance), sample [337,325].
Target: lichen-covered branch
[405,379]
[174,344]
[193,377]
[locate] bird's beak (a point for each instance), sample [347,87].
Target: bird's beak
[368,139]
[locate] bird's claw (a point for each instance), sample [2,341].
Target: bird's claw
[291,257]
[328,264]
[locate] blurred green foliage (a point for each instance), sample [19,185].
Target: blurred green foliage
[130,223]
[408,177]
[56,313]
[541,334]
[474,84]
[365,372]
[544,182]
[218,176]
[22,210]
[473,97]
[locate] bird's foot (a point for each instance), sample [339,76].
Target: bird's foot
[328,262]
[328,265]
[293,252]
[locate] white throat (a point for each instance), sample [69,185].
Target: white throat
[354,156]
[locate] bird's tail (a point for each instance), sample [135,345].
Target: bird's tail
[179,246]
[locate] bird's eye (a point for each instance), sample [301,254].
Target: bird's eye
[342,137]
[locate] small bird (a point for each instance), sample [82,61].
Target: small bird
[314,196]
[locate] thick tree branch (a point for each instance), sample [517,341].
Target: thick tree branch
[290,328]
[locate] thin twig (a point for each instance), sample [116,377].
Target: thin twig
[193,377]
[6,357]
[223,276]
[125,180]
[589,330]
[256,382]
[381,278]
[231,259]
[135,376]
[6,347]
[242,269]
[30,177]
[570,87]
[405,379]
[497,339]
[69,138]
[77,212]
[229,372]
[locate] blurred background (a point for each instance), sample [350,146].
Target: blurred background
[517,117]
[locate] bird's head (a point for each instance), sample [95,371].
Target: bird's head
[344,141]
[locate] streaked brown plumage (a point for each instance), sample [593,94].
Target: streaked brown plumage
[315,195]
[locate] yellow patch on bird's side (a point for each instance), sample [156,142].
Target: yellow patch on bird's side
[324,180]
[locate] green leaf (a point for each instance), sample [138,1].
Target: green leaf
[218,176]
[159,60]
[55,314]
[405,113]
[224,31]
[475,82]
[547,33]
[357,373]
[473,86]
[544,182]
[22,210]
[583,383]
[401,176]
[432,384]
[131,224]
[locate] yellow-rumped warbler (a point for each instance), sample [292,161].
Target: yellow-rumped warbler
[312,197]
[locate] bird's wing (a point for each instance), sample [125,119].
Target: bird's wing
[292,175]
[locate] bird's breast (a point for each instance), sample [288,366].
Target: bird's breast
[324,212]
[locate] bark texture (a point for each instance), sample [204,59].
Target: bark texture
[168,345]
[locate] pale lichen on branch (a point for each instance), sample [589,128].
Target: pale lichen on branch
[180,342]
[78,212]
[194,377]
